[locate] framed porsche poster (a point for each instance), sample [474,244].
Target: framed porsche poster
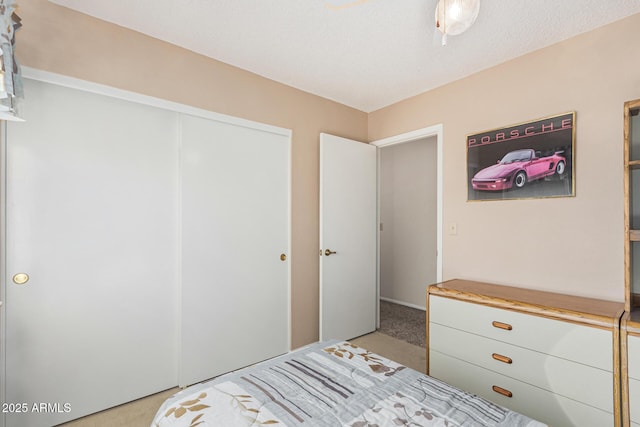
[528,160]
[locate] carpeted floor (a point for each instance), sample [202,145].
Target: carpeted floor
[404,323]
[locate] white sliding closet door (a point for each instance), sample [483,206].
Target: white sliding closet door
[91,217]
[235,227]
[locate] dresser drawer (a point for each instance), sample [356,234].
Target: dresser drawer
[589,345]
[555,410]
[634,356]
[634,378]
[634,399]
[580,382]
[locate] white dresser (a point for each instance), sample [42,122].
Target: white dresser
[552,357]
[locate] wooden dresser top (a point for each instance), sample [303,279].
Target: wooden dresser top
[547,304]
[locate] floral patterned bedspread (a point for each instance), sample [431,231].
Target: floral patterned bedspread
[331,384]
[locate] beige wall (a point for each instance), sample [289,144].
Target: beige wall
[569,245]
[59,40]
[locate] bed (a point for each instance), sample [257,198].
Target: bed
[327,384]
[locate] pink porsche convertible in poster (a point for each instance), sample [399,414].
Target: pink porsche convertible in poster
[517,168]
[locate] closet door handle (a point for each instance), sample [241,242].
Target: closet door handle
[329,252]
[500,325]
[502,391]
[501,358]
[20,278]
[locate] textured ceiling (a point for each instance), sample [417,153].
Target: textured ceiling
[366,54]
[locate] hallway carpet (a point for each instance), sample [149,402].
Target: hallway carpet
[404,323]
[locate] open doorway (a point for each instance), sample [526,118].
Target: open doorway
[408,221]
[410,233]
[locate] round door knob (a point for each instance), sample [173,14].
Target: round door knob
[20,278]
[283,257]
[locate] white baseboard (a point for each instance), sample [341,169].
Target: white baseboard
[406,304]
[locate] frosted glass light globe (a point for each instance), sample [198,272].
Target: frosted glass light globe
[454,17]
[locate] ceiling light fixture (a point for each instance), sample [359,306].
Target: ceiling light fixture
[454,17]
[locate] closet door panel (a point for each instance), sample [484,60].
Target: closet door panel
[92,190]
[235,227]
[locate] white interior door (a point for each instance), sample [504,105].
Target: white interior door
[91,196]
[235,227]
[348,227]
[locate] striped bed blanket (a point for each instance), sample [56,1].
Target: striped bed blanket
[329,384]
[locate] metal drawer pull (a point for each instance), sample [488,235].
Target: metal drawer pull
[500,325]
[502,391]
[501,358]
